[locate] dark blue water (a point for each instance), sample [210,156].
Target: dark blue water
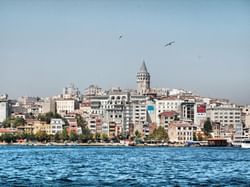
[123,166]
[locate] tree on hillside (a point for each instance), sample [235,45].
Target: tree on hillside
[137,134]
[194,136]
[81,122]
[19,122]
[47,116]
[159,134]
[207,127]
[8,138]
[86,135]
[57,137]
[13,122]
[42,136]
[64,135]
[105,137]
[73,136]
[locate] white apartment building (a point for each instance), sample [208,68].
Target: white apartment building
[98,104]
[139,109]
[56,125]
[65,106]
[4,110]
[166,104]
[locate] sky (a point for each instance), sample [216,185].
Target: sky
[46,45]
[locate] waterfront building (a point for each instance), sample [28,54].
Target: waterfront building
[181,131]
[40,126]
[56,125]
[143,80]
[105,128]
[73,126]
[95,123]
[228,115]
[114,129]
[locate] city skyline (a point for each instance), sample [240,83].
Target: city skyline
[46,45]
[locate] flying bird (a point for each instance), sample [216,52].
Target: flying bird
[120,37]
[168,44]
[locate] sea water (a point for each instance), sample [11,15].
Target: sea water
[123,166]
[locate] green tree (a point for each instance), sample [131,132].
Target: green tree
[13,122]
[207,127]
[73,136]
[64,135]
[57,137]
[105,137]
[18,122]
[137,134]
[81,122]
[159,134]
[86,135]
[194,136]
[42,136]
[47,116]
[97,136]
[8,137]
[8,122]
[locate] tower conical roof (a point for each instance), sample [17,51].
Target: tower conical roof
[143,68]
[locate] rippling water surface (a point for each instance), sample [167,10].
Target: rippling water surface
[123,166]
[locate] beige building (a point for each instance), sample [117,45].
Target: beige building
[167,117]
[41,126]
[180,131]
[65,106]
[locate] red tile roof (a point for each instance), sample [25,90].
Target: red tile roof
[168,114]
[3,130]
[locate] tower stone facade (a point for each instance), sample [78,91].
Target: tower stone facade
[143,80]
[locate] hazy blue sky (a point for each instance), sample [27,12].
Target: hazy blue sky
[45,45]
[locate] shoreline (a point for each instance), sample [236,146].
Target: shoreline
[33,144]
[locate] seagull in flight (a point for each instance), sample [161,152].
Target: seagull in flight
[120,37]
[168,44]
